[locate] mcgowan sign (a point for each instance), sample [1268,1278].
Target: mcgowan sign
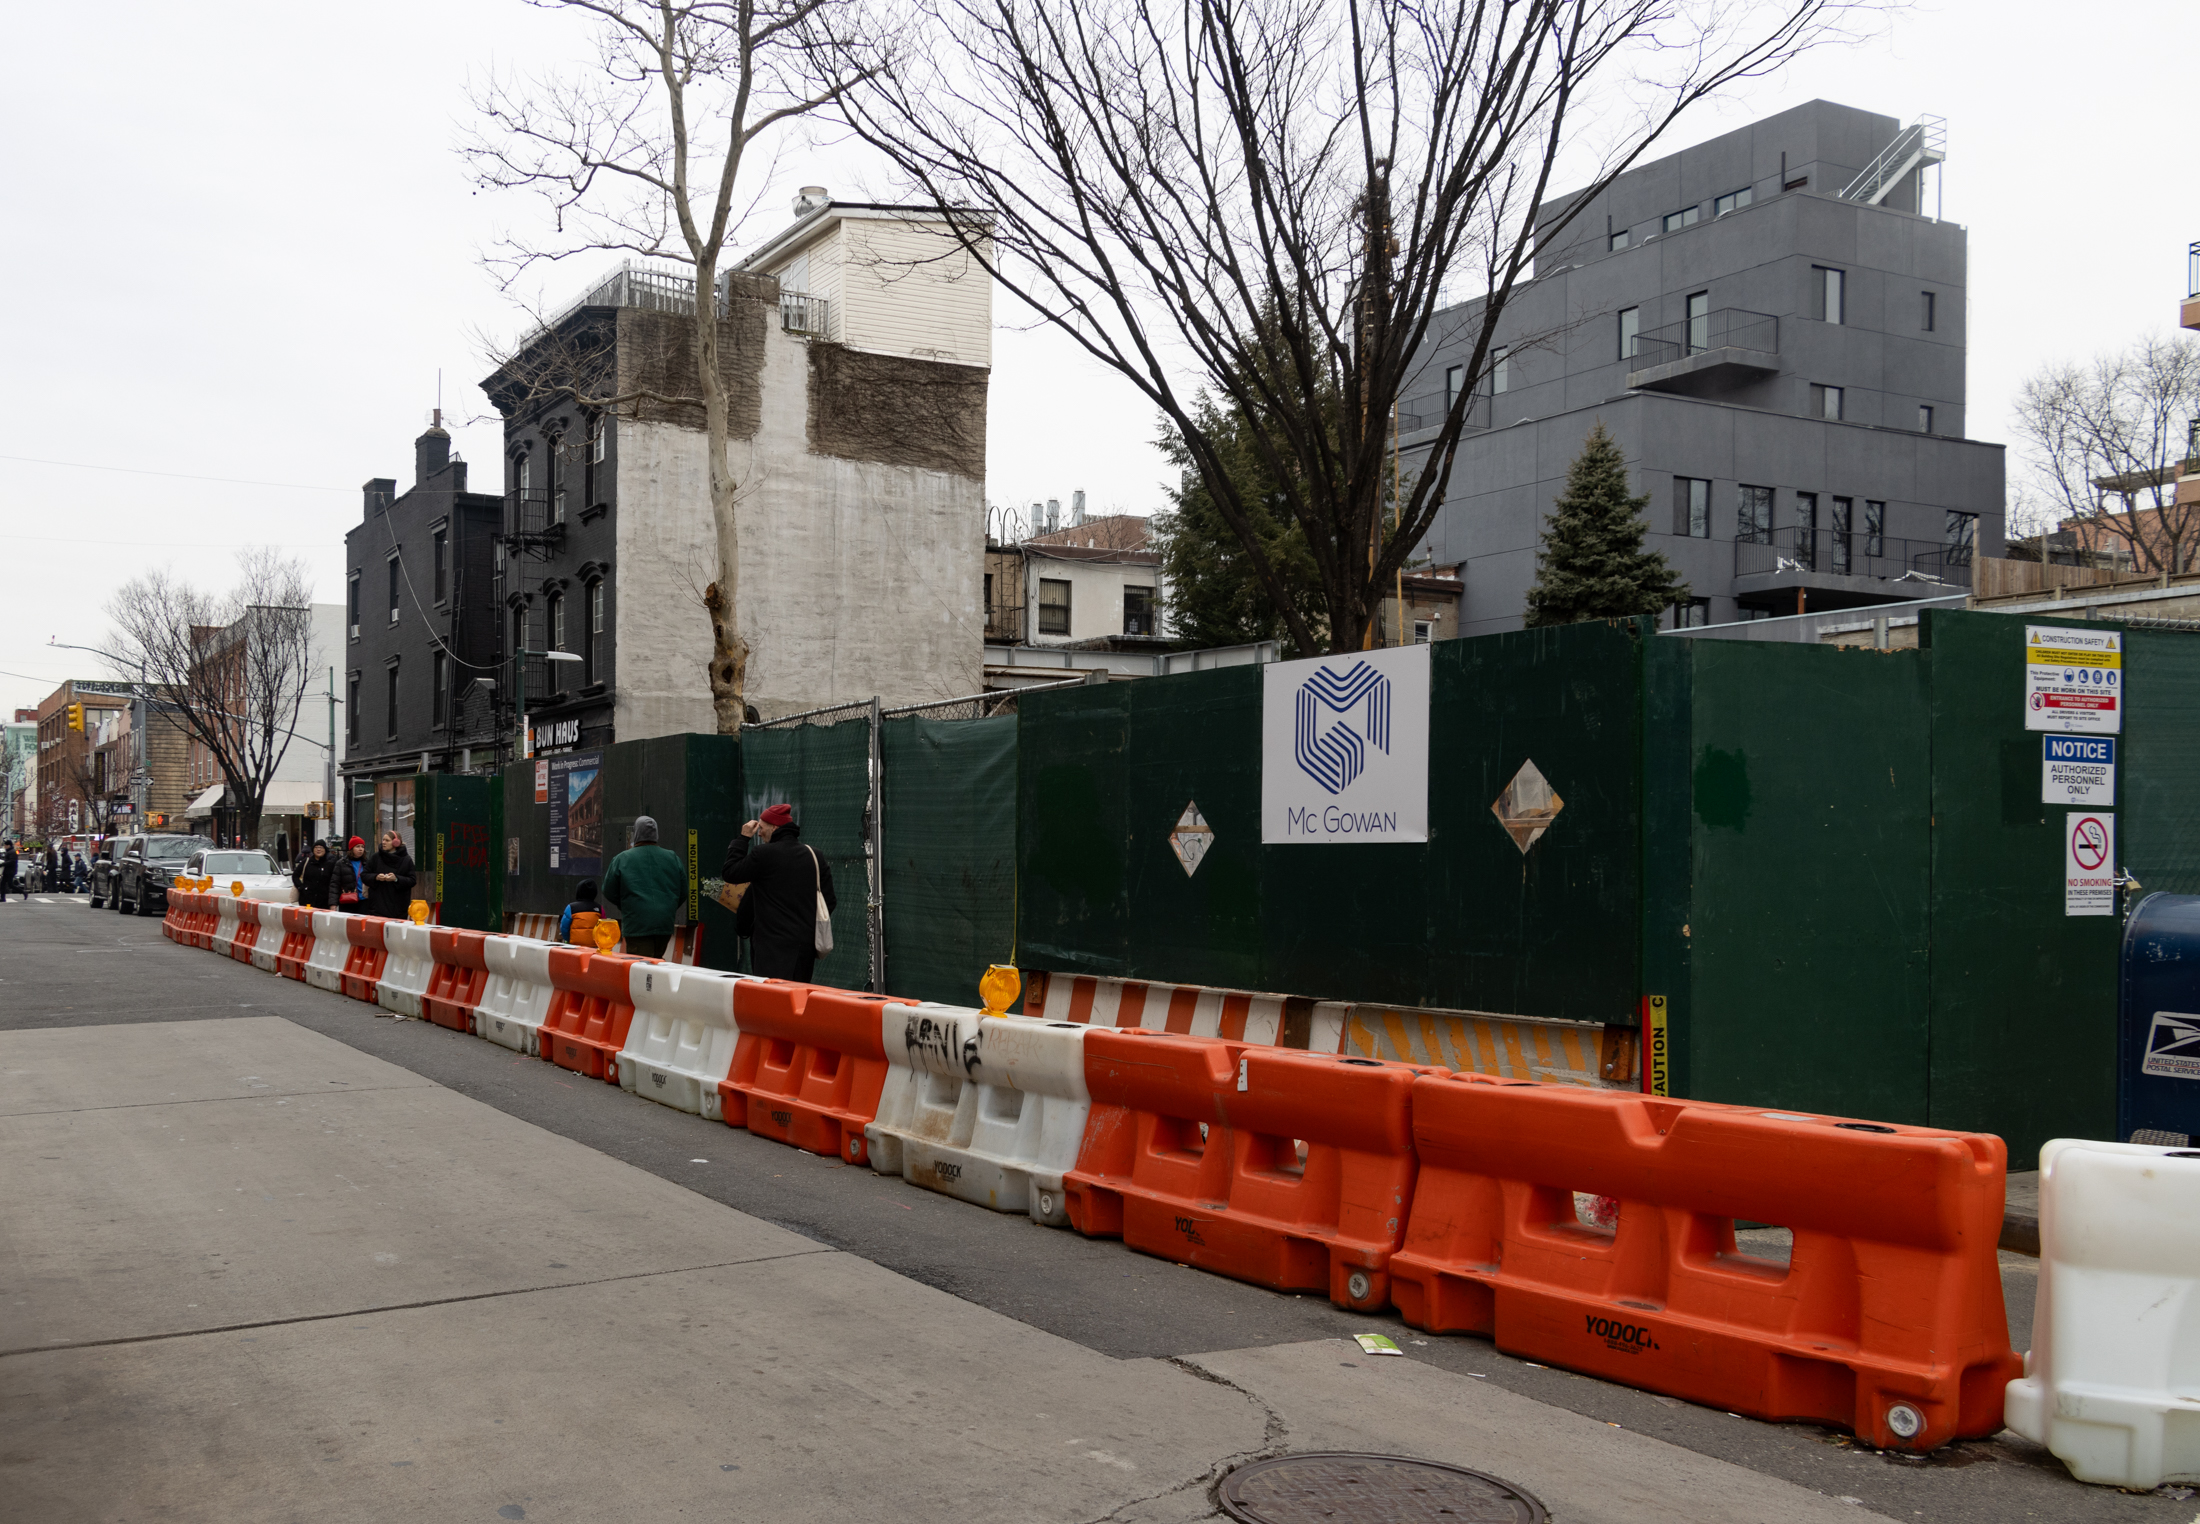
[1344,748]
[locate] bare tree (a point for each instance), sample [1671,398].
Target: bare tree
[1274,200]
[2104,440]
[230,670]
[644,154]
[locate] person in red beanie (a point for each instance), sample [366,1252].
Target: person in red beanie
[351,878]
[785,879]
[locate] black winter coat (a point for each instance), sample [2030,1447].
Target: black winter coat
[780,910]
[314,876]
[392,899]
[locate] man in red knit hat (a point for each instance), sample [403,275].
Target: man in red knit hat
[785,879]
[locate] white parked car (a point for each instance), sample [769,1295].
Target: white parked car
[230,866]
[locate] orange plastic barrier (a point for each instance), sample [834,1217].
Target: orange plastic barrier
[586,1024]
[1887,1320]
[363,964]
[205,921]
[171,924]
[297,946]
[461,972]
[247,935]
[1290,1170]
[809,1066]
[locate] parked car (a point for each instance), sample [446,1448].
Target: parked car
[230,866]
[145,866]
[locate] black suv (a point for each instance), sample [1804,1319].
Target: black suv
[142,868]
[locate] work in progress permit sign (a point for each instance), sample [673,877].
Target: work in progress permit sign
[2089,864]
[2073,680]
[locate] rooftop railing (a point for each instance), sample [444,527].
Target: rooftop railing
[1727,328]
[1852,553]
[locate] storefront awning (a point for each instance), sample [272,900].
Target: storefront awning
[289,798]
[203,806]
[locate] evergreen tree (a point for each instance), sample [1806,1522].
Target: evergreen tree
[1592,565]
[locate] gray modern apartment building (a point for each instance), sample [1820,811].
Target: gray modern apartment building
[1772,326]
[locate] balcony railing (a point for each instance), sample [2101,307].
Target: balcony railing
[534,523]
[1852,553]
[1727,328]
[2192,273]
[1427,411]
[799,312]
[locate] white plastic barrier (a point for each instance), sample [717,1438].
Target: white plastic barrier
[987,1109]
[517,996]
[331,946]
[680,1043]
[225,923]
[270,943]
[2111,1384]
[405,975]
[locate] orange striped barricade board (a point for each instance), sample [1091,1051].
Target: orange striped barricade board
[1289,1170]
[297,946]
[517,995]
[808,1067]
[1887,1319]
[324,970]
[1191,1010]
[458,974]
[679,1045]
[987,1109]
[267,943]
[363,965]
[531,925]
[405,973]
[1548,1051]
[590,1012]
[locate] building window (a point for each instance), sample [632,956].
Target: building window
[1692,507]
[1806,530]
[597,429]
[1961,537]
[1138,611]
[1753,514]
[522,476]
[1829,293]
[1630,331]
[557,622]
[353,599]
[1699,321]
[594,634]
[1843,520]
[1875,528]
[1924,418]
[555,481]
[989,598]
[1825,402]
[1692,615]
[1928,315]
[397,574]
[351,709]
[1623,239]
[442,565]
[1686,217]
[390,704]
[442,688]
[1455,382]
[1732,201]
[1053,606]
[1501,375]
[1423,632]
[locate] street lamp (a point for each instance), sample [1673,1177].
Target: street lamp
[519,691]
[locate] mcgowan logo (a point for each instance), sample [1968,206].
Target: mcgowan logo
[1336,757]
[1190,1230]
[1627,1337]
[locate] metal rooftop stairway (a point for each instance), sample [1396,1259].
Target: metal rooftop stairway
[1924,141]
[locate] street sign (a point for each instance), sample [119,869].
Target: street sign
[2078,770]
[2073,680]
[2089,864]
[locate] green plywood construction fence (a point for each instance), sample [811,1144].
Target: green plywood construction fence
[824,772]
[949,839]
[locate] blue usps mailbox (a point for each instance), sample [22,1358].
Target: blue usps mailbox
[2158,1027]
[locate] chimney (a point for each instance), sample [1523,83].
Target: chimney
[431,453]
[809,199]
[380,492]
[1077,506]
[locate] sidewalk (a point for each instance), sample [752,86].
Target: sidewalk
[255,1274]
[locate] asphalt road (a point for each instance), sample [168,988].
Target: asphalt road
[64,966]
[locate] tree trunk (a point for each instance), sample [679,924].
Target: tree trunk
[729,653]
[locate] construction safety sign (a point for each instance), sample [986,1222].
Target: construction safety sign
[2073,679]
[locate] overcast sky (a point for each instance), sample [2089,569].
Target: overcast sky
[240,250]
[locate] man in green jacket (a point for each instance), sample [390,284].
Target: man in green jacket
[646,885]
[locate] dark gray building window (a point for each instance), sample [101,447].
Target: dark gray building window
[1455,382]
[1699,321]
[442,687]
[1622,239]
[1825,402]
[1875,528]
[442,565]
[1843,544]
[1732,201]
[351,709]
[1928,315]
[1829,294]
[1692,507]
[1501,373]
[1753,514]
[1924,418]
[554,480]
[1806,530]
[1961,536]
[1138,611]
[1686,217]
[1692,615]
[1053,606]
[557,622]
[397,574]
[354,601]
[592,636]
[390,704]
[1630,329]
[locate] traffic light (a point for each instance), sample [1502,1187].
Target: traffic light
[76,716]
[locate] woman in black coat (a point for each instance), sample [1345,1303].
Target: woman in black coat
[390,878]
[315,876]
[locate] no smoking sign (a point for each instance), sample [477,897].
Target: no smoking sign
[2089,864]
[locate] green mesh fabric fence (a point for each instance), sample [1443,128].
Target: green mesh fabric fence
[949,835]
[823,771]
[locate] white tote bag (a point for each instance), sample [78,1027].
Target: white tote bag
[824,942]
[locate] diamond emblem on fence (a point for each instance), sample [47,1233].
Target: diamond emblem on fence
[1527,807]
[1191,838]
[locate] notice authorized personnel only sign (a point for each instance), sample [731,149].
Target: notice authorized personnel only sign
[2073,680]
[2078,770]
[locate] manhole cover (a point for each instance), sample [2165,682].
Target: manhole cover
[1343,1488]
